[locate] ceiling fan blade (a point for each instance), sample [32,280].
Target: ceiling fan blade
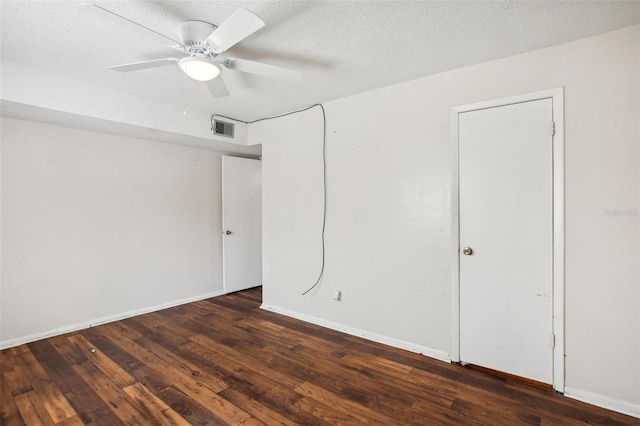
[217,88]
[265,70]
[135,66]
[236,28]
[121,20]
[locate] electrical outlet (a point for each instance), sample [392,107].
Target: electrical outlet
[337,295]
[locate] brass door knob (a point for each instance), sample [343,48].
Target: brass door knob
[467,251]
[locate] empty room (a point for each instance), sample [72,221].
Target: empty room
[281,212]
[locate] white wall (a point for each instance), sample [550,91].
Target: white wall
[389,226]
[97,226]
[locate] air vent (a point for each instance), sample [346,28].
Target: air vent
[223,128]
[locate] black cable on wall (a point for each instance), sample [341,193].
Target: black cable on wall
[324,175]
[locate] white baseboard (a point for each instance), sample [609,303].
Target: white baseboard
[603,401]
[423,350]
[4,344]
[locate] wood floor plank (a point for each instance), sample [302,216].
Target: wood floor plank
[27,410]
[225,361]
[113,396]
[253,422]
[163,324]
[240,361]
[489,409]
[12,372]
[89,406]
[334,415]
[343,405]
[255,408]
[9,409]
[189,409]
[71,421]
[267,390]
[154,380]
[270,393]
[354,373]
[446,416]
[380,364]
[205,393]
[254,295]
[423,384]
[16,350]
[182,393]
[46,391]
[123,329]
[112,370]
[154,408]
[265,332]
[175,376]
[199,376]
[345,383]
[33,410]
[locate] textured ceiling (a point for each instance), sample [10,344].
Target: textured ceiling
[341,47]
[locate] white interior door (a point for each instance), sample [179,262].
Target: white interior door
[241,223]
[506,218]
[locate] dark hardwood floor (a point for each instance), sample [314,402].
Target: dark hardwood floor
[225,361]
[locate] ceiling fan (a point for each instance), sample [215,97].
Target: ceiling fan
[202,43]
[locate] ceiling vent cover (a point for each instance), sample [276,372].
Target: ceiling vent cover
[223,128]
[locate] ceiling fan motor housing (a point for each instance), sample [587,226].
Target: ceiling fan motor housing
[193,35]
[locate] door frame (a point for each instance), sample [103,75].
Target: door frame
[557,97]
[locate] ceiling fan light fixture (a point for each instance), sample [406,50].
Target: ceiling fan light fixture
[199,69]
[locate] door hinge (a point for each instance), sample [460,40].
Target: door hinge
[553,128]
[553,341]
